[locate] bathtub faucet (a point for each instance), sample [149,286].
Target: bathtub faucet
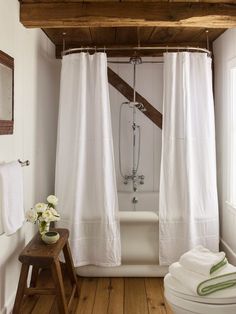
[134,179]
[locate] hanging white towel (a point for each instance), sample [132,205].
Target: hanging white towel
[1,226]
[11,197]
[203,261]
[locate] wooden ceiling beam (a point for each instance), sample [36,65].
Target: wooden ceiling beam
[120,14]
[208,1]
[127,91]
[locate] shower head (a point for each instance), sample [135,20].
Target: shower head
[140,106]
[133,104]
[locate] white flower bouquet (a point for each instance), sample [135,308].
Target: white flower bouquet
[44,213]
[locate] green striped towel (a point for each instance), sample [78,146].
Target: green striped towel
[204,285]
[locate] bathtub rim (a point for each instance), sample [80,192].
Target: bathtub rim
[138,217]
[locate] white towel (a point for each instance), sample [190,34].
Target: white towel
[203,261]
[204,285]
[1,225]
[11,197]
[175,285]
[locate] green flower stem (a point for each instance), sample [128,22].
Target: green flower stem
[43,227]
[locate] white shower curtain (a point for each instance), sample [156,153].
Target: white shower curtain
[85,169]
[188,194]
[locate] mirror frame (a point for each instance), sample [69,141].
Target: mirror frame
[6,126]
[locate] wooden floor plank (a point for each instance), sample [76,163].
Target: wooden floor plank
[116,302]
[102,296]
[155,298]
[45,302]
[30,302]
[68,289]
[76,299]
[168,309]
[135,296]
[87,296]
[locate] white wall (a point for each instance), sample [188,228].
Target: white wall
[224,52]
[149,83]
[34,138]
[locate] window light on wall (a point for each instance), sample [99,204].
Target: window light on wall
[232,135]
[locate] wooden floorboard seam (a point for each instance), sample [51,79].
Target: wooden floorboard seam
[145,288]
[124,297]
[95,295]
[109,296]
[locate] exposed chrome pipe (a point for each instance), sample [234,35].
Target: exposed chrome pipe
[134,105]
[120,166]
[134,126]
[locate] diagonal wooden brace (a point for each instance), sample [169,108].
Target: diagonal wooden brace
[126,90]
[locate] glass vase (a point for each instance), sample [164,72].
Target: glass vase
[43,227]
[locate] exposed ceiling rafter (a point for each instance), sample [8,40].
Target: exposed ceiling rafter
[120,14]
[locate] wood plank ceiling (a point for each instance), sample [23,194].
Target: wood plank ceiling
[130,36]
[121,35]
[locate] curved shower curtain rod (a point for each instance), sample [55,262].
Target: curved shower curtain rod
[104,49]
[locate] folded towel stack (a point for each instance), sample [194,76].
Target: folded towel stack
[204,272]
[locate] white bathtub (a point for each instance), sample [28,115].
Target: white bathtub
[139,248]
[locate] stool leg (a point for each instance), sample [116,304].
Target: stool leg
[70,267]
[21,288]
[34,276]
[58,281]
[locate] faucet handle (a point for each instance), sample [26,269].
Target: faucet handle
[141,178]
[126,179]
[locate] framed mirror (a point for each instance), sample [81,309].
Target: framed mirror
[6,93]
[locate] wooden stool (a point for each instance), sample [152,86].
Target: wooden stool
[40,255]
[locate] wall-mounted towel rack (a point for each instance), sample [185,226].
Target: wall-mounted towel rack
[24,163]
